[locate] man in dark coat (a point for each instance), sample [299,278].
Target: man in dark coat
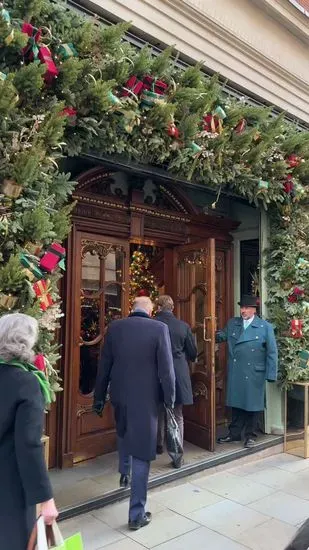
[252,359]
[184,350]
[137,362]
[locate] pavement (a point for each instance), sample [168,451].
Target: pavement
[256,506]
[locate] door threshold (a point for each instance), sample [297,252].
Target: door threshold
[187,470]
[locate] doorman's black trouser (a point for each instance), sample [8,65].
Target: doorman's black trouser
[243,420]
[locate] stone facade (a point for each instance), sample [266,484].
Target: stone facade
[258,45]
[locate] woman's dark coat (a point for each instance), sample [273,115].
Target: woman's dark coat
[23,477]
[184,350]
[137,361]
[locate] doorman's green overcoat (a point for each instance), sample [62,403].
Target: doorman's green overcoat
[252,359]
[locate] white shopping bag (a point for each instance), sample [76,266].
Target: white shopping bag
[47,536]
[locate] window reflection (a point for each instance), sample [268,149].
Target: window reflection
[101,303]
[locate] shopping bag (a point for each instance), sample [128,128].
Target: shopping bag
[173,439]
[47,537]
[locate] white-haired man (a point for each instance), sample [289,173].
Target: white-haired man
[137,362]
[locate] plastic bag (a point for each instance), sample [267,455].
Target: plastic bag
[173,439]
[45,537]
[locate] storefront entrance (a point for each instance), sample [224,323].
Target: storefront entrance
[190,254]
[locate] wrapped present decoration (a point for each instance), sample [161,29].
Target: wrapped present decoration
[241,126]
[7,301]
[220,112]
[296,328]
[9,38]
[70,113]
[263,185]
[31,50]
[303,358]
[33,248]
[39,362]
[114,100]
[302,263]
[5,15]
[29,262]
[10,189]
[288,185]
[195,147]
[30,276]
[212,124]
[55,253]
[296,295]
[293,161]
[157,86]
[41,289]
[148,98]
[65,51]
[46,59]
[173,131]
[132,86]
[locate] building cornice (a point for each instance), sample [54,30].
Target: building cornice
[285,13]
[229,51]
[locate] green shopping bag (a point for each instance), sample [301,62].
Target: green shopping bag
[72,543]
[48,537]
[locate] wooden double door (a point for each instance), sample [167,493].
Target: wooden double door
[100,286]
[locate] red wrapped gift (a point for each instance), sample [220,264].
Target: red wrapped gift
[55,253]
[41,289]
[173,131]
[39,362]
[51,69]
[157,86]
[241,126]
[297,294]
[288,185]
[212,124]
[132,85]
[296,328]
[70,113]
[32,48]
[293,160]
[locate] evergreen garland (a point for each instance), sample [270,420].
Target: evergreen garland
[96,92]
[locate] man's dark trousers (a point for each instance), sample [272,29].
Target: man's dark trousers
[139,480]
[246,420]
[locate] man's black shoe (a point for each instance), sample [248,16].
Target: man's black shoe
[249,443]
[227,439]
[124,481]
[139,523]
[160,450]
[178,463]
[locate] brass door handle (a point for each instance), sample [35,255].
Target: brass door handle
[208,318]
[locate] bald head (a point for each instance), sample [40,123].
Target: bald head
[144,303]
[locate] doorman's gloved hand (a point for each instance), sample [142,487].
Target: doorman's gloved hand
[98,407]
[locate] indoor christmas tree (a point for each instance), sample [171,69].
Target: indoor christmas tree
[142,282]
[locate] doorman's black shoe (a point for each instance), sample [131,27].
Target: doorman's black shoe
[227,439]
[249,443]
[139,523]
[160,450]
[124,481]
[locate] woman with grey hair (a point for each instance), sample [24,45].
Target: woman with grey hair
[24,393]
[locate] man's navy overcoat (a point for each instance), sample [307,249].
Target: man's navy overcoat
[252,359]
[137,362]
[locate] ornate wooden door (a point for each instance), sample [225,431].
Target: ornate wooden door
[196,304]
[101,295]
